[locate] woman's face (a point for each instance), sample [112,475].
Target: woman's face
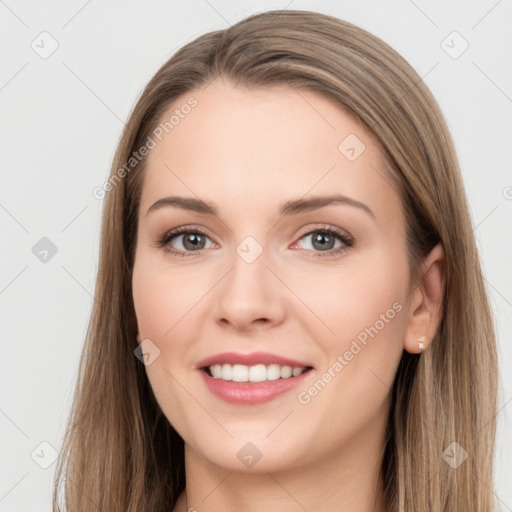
[266,288]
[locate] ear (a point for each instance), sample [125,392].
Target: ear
[426,302]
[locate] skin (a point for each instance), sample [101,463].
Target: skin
[246,151]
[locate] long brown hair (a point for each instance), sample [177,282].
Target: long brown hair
[121,454]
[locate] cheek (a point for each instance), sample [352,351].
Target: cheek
[352,296]
[161,297]
[363,307]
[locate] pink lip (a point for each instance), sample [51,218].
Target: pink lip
[250,360]
[250,392]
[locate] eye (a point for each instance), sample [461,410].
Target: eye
[323,241]
[192,240]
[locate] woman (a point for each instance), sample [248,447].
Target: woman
[290,311]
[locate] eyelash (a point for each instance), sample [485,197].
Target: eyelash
[346,239]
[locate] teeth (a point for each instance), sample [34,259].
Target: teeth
[286,372]
[273,372]
[296,372]
[216,371]
[240,373]
[226,372]
[256,373]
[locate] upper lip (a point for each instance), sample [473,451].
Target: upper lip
[251,359]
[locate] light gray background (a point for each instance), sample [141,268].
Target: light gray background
[61,118]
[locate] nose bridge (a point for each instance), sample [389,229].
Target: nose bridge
[247,293]
[249,273]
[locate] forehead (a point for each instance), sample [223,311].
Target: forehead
[248,147]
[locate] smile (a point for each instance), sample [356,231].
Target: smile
[256,373]
[251,378]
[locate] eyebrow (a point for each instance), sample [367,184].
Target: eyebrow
[287,208]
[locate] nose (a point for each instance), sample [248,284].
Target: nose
[250,295]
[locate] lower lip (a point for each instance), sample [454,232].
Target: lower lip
[251,392]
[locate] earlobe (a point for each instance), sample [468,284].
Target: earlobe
[426,302]
[416,346]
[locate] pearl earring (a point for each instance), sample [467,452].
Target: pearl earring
[420,342]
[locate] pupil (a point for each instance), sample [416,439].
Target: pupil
[323,239]
[195,241]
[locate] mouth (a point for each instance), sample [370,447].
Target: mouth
[255,373]
[251,378]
